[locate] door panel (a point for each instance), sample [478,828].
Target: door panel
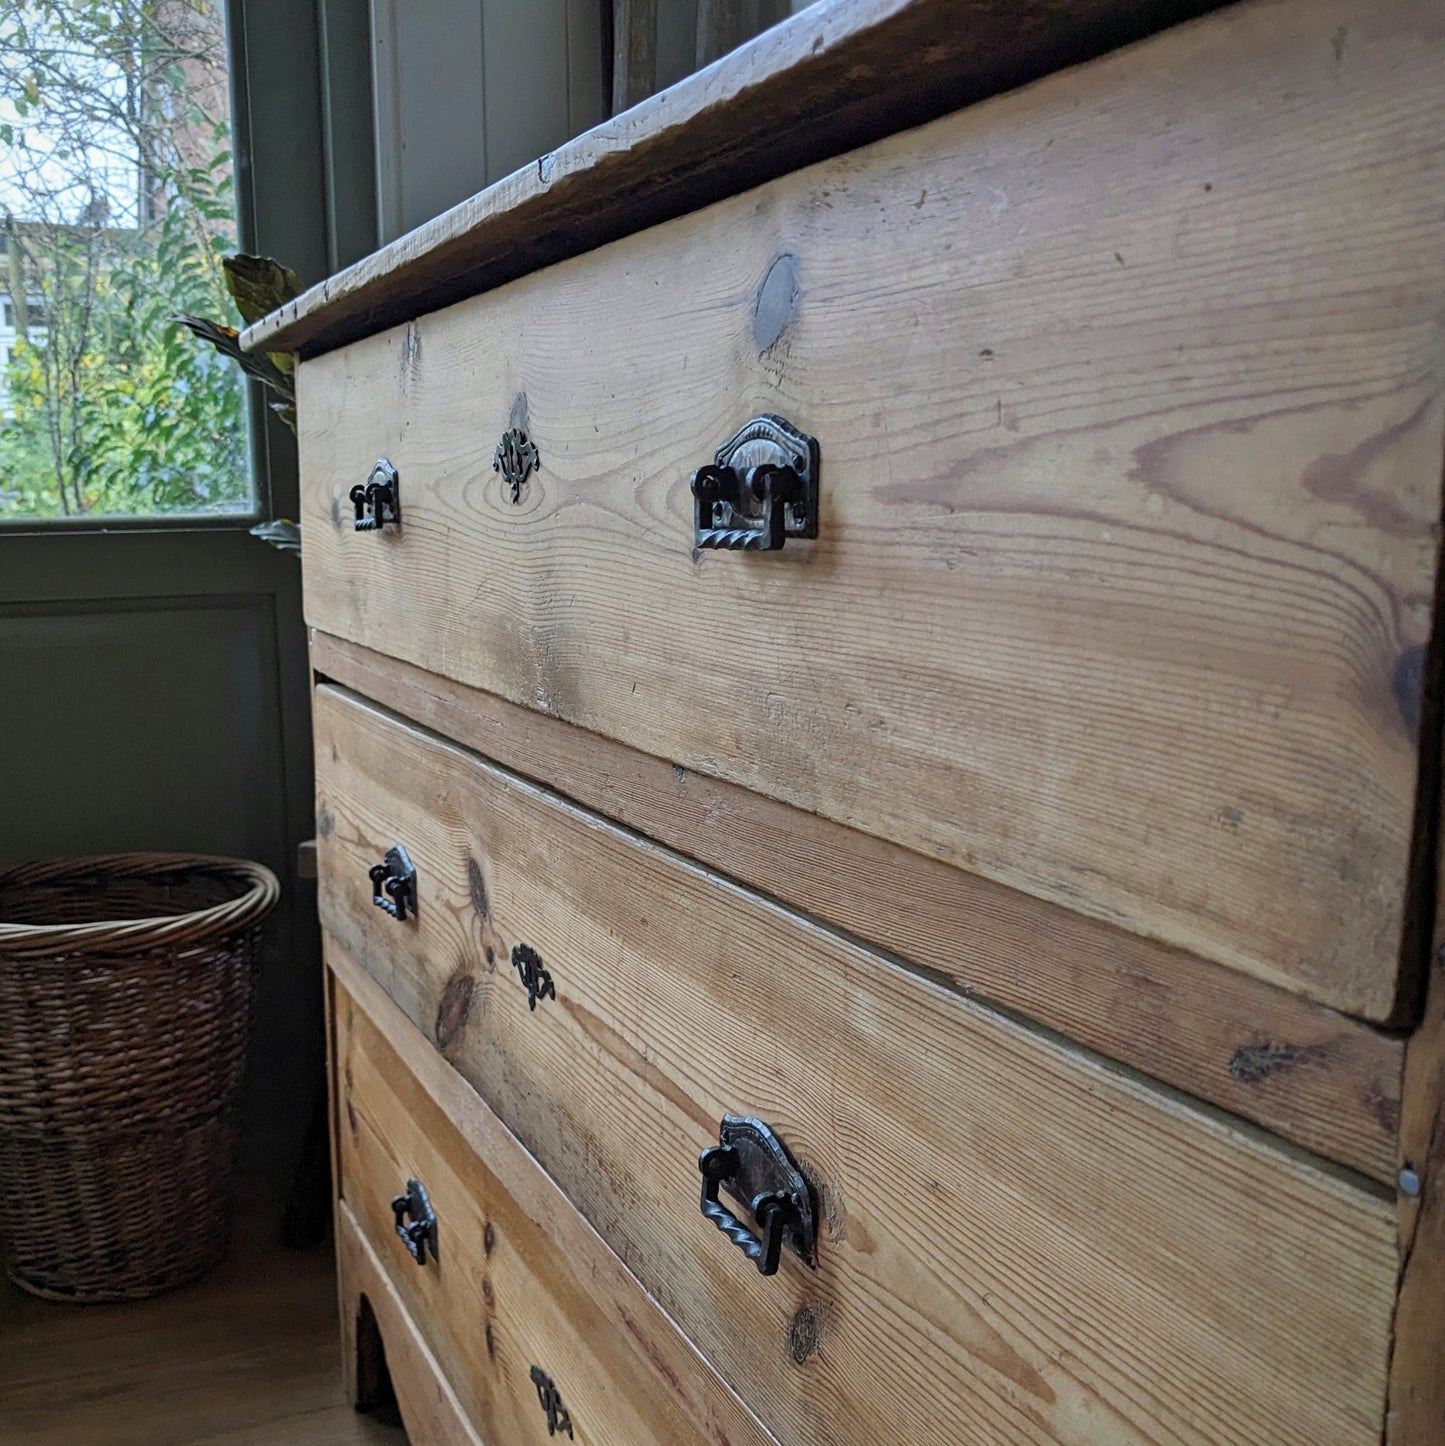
[154,686]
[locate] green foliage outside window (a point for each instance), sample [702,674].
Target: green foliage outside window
[117,204]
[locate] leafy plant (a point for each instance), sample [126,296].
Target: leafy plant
[115,172]
[257,284]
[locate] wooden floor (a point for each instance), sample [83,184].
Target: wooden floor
[248,1355]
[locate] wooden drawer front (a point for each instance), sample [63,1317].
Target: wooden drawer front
[518,1279]
[1021,1245]
[429,1407]
[1128,388]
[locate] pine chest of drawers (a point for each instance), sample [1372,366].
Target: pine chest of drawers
[878,739]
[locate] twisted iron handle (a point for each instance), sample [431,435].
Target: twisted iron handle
[773,1211]
[774,487]
[420,1231]
[383,883]
[372,497]
[393,883]
[379,496]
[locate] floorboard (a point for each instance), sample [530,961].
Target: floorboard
[246,1356]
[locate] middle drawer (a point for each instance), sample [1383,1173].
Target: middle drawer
[1017,1245]
[521,1303]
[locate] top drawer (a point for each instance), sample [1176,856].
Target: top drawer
[1128,390]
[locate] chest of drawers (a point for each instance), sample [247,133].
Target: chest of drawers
[889,703]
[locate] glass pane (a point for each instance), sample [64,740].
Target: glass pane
[117,203]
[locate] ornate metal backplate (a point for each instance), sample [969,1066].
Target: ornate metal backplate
[535,977]
[558,1418]
[514,458]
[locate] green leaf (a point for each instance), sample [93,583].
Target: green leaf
[259,284]
[225,340]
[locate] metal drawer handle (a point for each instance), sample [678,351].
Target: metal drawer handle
[393,883]
[760,489]
[419,1233]
[756,1168]
[377,500]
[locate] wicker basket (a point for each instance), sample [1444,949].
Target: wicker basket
[125,994]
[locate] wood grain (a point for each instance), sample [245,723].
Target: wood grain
[1129,504]
[428,1405]
[833,77]
[1320,1079]
[1022,1246]
[519,1279]
[245,1357]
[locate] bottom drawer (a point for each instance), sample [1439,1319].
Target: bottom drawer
[373,1316]
[534,1323]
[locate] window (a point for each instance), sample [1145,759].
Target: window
[116,206]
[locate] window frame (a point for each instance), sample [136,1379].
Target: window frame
[305,193]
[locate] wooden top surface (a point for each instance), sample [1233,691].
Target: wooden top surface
[832,77]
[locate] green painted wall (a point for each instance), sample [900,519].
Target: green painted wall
[154,687]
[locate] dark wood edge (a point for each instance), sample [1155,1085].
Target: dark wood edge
[1416,1415]
[1416,1412]
[671,1358]
[344,1306]
[1320,1079]
[328,1018]
[831,78]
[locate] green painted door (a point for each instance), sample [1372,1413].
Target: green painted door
[154,686]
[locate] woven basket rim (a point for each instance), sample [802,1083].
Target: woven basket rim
[138,936]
